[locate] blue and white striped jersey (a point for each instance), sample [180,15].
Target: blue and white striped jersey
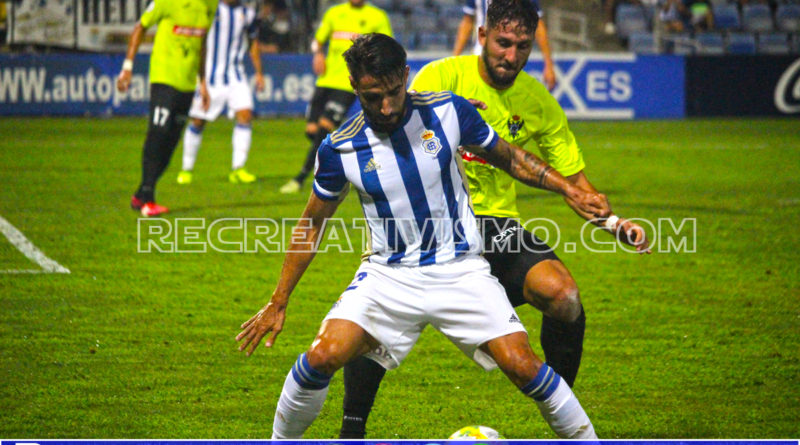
[410,182]
[227,43]
[478,8]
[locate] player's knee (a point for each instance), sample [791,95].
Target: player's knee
[566,305]
[311,130]
[325,357]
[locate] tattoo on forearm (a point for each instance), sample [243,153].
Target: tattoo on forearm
[543,174]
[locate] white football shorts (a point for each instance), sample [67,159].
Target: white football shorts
[237,95]
[460,299]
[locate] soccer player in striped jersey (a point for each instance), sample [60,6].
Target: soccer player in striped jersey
[400,155]
[475,17]
[233,29]
[522,111]
[176,63]
[333,95]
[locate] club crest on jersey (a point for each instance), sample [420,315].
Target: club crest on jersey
[430,143]
[515,125]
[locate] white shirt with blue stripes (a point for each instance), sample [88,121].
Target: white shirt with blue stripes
[410,183]
[228,42]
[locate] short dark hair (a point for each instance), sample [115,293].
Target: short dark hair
[524,12]
[377,55]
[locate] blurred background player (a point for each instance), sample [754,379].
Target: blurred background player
[176,60]
[227,85]
[522,112]
[333,94]
[475,17]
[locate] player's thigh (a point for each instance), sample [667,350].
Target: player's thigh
[512,253]
[384,302]
[218,97]
[169,110]
[338,341]
[240,96]
[470,308]
[334,112]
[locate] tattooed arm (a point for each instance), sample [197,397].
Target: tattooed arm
[534,172]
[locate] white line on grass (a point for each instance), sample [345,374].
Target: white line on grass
[29,250]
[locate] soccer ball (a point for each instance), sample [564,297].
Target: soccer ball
[476,432]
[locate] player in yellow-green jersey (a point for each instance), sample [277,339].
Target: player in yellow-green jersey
[175,63]
[523,113]
[333,94]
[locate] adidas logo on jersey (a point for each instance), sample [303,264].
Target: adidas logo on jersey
[371,166]
[514,319]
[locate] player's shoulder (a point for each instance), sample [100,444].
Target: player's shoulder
[347,131]
[430,98]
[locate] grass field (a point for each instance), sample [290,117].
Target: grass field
[141,345]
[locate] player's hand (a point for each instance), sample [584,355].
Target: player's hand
[205,97]
[632,234]
[260,82]
[549,76]
[478,104]
[124,80]
[269,319]
[591,202]
[318,64]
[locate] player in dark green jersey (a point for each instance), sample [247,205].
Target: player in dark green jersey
[175,63]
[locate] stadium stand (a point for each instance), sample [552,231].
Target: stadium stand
[643,43]
[726,17]
[787,18]
[741,43]
[773,43]
[709,43]
[757,18]
[630,19]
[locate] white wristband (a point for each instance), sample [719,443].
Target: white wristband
[611,222]
[315,46]
[127,65]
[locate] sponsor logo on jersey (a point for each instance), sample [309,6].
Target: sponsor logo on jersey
[344,35]
[371,166]
[514,319]
[188,31]
[515,125]
[430,143]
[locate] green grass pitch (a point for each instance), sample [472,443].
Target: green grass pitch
[141,345]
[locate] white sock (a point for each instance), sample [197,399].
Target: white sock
[301,400]
[192,138]
[559,406]
[242,135]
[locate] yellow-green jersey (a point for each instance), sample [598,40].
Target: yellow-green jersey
[524,114]
[340,24]
[182,27]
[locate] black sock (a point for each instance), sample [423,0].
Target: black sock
[311,157]
[362,377]
[563,345]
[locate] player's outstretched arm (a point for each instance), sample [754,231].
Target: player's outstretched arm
[625,230]
[125,74]
[533,171]
[303,247]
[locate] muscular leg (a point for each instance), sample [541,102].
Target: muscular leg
[306,385]
[362,377]
[316,132]
[242,136]
[537,380]
[550,288]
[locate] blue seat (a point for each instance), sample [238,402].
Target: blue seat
[432,41]
[424,20]
[726,17]
[796,43]
[757,18]
[773,43]
[630,19]
[741,43]
[642,43]
[787,18]
[709,43]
